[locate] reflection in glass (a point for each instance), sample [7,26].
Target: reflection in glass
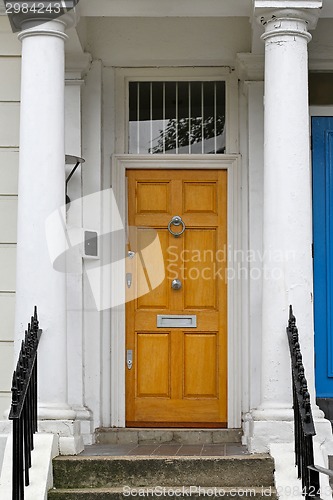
[176,117]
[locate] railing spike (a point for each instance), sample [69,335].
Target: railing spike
[290,311]
[303,420]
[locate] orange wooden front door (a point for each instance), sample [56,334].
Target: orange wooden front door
[179,374]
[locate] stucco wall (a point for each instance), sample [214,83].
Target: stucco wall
[10,64]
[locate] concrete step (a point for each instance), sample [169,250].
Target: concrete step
[194,492]
[181,436]
[136,471]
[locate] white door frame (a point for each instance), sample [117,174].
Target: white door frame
[231,163]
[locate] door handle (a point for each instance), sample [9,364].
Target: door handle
[129,280]
[129,358]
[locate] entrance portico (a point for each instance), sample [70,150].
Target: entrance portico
[96,378]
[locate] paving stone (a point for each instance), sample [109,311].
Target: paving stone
[167,450]
[213,450]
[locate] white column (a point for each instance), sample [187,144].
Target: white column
[287,220]
[42,191]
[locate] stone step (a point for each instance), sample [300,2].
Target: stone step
[194,492]
[153,436]
[136,471]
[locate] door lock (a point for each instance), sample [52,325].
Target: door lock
[129,280]
[129,358]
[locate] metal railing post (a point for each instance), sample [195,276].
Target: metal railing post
[23,410]
[303,421]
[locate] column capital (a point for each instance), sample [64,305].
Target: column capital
[50,28]
[42,24]
[272,10]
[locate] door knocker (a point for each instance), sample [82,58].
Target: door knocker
[176,221]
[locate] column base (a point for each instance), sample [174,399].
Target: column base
[68,433]
[70,441]
[85,417]
[264,426]
[55,412]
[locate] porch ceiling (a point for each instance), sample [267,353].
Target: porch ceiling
[176,8]
[163,8]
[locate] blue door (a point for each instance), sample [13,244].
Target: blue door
[322,176]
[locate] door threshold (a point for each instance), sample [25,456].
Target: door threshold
[145,435]
[178,425]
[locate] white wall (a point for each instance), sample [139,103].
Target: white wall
[91,183]
[10,64]
[255,93]
[321,46]
[251,145]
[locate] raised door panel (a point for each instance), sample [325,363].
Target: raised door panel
[153,197]
[200,365]
[199,264]
[200,197]
[153,365]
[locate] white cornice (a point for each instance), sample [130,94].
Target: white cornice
[77,63]
[250,67]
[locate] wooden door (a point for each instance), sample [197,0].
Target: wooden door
[179,374]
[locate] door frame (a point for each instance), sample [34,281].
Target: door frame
[231,163]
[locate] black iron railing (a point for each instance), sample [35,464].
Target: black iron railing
[23,411]
[304,425]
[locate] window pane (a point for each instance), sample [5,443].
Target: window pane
[144,117]
[220,118]
[196,117]
[183,118]
[209,117]
[133,118]
[176,117]
[158,120]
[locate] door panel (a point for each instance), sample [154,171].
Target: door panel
[200,349]
[200,290]
[179,375]
[322,171]
[153,377]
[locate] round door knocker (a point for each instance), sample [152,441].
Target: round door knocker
[176,221]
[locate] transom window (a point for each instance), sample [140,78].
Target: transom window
[185,117]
